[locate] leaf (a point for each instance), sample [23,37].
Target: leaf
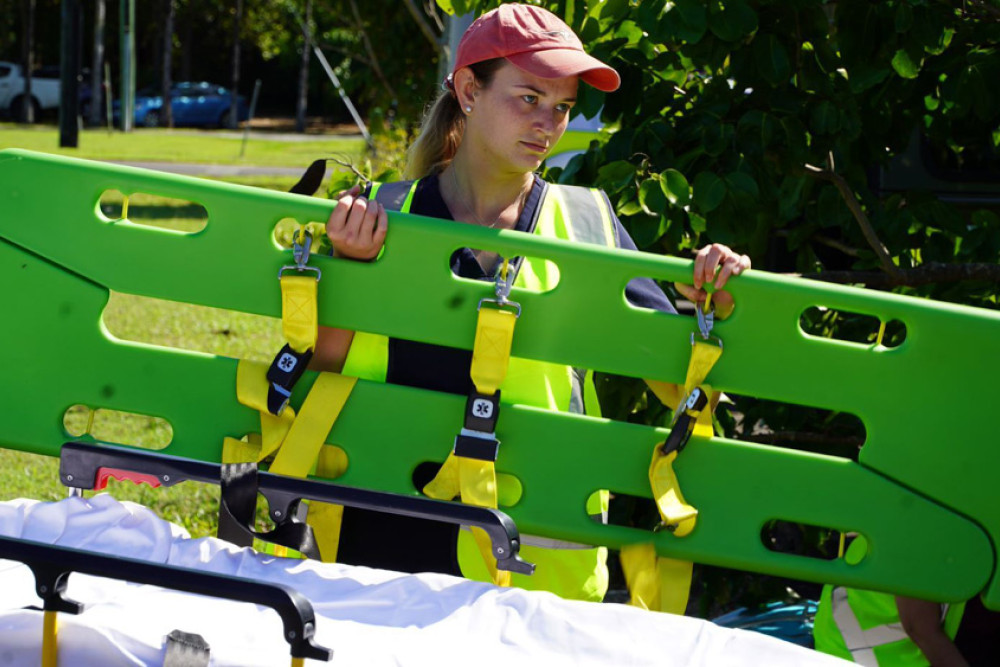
[698,224]
[742,183]
[730,20]
[446,6]
[709,191]
[904,65]
[616,175]
[646,229]
[904,17]
[685,20]
[629,208]
[771,59]
[675,187]
[825,118]
[651,196]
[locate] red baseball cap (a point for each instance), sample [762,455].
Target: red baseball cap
[535,40]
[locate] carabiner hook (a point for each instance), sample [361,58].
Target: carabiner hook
[301,248]
[300,253]
[706,317]
[503,282]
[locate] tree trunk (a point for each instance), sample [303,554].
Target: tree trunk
[27,56]
[186,40]
[300,106]
[97,65]
[234,91]
[166,80]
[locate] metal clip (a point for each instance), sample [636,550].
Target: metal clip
[503,282]
[501,288]
[300,253]
[705,320]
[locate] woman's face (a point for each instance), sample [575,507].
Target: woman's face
[517,120]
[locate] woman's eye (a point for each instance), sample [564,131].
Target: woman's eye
[563,108]
[530,99]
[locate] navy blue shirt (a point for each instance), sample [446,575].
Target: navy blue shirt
[416,545]
[447,369]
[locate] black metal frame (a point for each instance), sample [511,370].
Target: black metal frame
[80,465]
[53,564]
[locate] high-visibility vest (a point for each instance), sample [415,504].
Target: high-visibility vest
[864,626]
[573,213]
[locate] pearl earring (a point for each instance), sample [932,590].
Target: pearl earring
[468,109]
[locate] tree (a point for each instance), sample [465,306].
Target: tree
[97,65]
[166,78]
[302,99]
[235,87]
[27,111]
[769,126]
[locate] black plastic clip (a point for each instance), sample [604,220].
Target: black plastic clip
[685,417]
[286,369]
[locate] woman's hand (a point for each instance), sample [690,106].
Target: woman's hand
[357,226]
[714,265]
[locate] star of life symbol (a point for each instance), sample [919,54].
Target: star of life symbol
[482,408]
[287,362]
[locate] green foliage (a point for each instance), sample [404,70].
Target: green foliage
[736,119]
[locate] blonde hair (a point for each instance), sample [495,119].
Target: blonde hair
[443,127]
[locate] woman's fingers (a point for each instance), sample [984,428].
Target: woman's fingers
[716,263]
[357,227]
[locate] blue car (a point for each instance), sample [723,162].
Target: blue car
[194,104]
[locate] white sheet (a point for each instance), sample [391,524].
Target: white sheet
[368,617]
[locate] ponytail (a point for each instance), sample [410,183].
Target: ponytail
[440,134]
[443,127]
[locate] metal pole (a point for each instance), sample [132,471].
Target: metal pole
[108,96]
[127,25]
[347,101]
[253,109]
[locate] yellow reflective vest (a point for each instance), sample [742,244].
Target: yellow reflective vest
[571,213]
[864,626]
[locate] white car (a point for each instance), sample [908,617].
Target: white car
[44,91]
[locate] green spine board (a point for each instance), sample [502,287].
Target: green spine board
[922,493]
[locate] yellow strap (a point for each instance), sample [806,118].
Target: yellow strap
[251,391]
[299,319]
[675,512]
[703,357]
[50,651]
[301,446]
[491,350]
[473,479]
[445,485]
[656,584]
[297,440]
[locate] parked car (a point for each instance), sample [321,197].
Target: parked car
[198,104]
[44,91]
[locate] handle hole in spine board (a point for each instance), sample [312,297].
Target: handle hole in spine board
[117,427]
[842,325]
[150,210]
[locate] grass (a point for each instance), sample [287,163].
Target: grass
[191,504]
[238,335]
[162,145]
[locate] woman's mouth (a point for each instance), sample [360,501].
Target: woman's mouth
[535,148]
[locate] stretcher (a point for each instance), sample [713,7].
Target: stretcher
[921,491]
[365,616]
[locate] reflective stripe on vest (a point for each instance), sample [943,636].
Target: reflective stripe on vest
[862,643]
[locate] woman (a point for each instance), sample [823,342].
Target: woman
[505,105]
